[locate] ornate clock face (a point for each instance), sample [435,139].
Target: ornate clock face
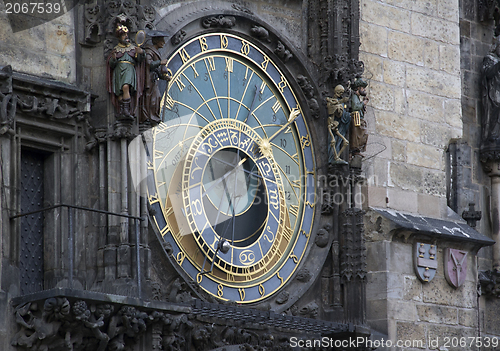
[232,161]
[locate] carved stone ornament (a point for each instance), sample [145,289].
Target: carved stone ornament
[101,20]
[304,275]
[310,310]
[219,22]
[353,249]
[62,323]
[240,8]
[123,130]
[94,23]
[322,237]
[40,98]
[490,283]
[455,266]
[178,37]
[424,261]
[260,33]
[282,297]
[471,215]
[486,9]
[328,202]
[308,91]
[8,101]
[283,53]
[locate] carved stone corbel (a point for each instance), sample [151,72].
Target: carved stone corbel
[219,22]
[260,33]
[178,37]
[309,93]
[8,101]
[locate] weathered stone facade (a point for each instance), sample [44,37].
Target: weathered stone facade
[104,280]
[415,100]
[425,120]
[47,50]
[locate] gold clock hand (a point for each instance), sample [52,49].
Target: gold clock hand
[293,116]
[265,145]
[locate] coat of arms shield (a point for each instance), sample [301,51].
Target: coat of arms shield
[455,266]
[424,261]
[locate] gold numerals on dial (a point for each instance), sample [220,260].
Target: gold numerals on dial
[233,166]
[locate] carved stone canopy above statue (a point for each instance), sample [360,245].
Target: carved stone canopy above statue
[101,20]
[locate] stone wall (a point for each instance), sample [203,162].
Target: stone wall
[286,16]
[411,54]
[403,308]
[476,38]
[475,42]
[411,51]
[47,50]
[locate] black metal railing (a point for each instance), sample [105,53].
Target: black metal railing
[71,236]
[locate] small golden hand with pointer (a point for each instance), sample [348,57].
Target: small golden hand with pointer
[265,145]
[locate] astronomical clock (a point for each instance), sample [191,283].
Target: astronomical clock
[232,167]
[223,225]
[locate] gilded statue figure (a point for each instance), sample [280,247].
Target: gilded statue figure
[359,135]
[125,74]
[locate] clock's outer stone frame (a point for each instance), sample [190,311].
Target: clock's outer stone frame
[185,23]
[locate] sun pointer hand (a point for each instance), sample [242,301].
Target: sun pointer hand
[265,145]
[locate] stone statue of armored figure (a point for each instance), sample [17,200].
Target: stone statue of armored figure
[358,102]
[339,120]
[125,75]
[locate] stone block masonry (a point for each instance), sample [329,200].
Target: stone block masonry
[47,49]
[411,54]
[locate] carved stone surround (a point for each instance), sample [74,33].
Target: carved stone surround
[37,98]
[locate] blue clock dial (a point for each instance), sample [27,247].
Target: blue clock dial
[232,160]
